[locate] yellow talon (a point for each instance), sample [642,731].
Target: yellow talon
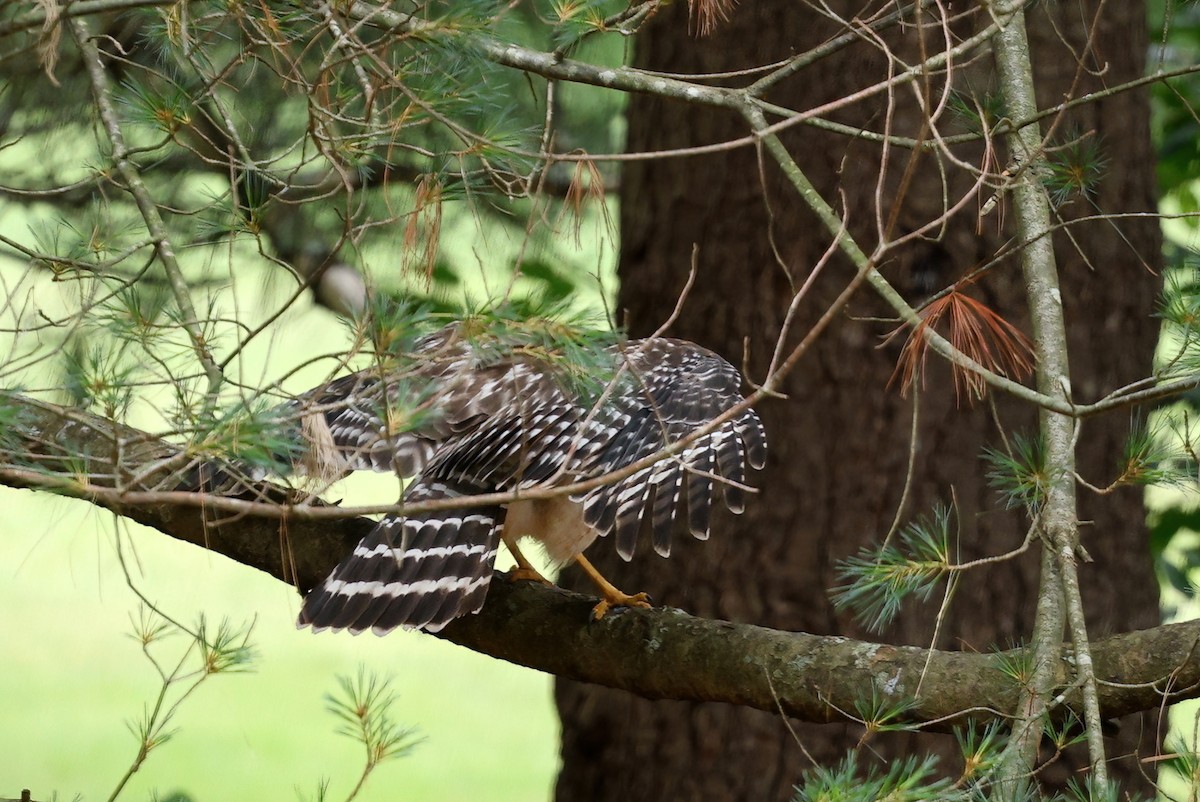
[611,597]
[621,600]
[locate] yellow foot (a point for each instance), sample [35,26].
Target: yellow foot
[619,599]
[527,573]
[610,596]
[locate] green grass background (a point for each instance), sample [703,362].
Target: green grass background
[72,677]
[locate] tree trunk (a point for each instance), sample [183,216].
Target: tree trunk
[840,442]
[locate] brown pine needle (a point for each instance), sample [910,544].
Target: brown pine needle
[975,330]
[708,14]
[587,186]
[423,230]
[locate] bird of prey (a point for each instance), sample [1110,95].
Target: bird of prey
[467,411]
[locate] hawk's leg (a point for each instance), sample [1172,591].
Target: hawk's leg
[610,596]
[524,569]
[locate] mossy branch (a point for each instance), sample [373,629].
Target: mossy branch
[658,653]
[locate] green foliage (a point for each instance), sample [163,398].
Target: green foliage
[1179,305]
[980,748]
[1089,791]
[134,313]
[575,20]
[1064,732]
[1174,569]
[85,241]
[206,654]
[363,706]
[1179,309]
[99,377]
[393,325]
[1020,474]
[1182,760]
[1075,169]
[554,287]
[1017,664]
[164,106]
[14,419]
[918,778]
[1157,453]
[225,650]
[877,580]
[978,112]
[256,436]
[1174,122]
[907,780]
[882,715]
[579,352]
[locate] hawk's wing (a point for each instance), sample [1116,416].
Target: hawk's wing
[508,423]
[661,391]
[676,388]
[394,418]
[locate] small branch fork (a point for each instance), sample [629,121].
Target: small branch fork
[1058,593]
[745,101]
[132,178]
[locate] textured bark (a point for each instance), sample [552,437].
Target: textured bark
[840,441]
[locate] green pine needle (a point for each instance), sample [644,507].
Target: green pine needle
[1089,791]
[1021,475]
[1075,170]
[1064,732]
[911,779]
[227,650]
[1153,455]
[1179,308]
[99,376]
[877,581]
[980,113]
[981,747]
[1016,664]
[883,715]
[1182,759]
[1179,304]
[254,436]
[167,108]
[363,705]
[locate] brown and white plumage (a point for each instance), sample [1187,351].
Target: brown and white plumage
[468,416]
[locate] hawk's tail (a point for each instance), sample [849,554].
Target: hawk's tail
[418,572]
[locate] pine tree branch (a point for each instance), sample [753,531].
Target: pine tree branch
[658,654]
[1059,597]
[130,174]
[37,17]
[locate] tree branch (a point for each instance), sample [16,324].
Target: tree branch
[661,653]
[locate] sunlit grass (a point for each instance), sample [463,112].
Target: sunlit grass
[72,677]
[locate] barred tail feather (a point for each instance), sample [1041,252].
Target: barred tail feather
[417,572]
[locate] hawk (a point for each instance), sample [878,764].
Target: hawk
[466,411]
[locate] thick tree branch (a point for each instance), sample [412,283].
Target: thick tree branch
[658,654]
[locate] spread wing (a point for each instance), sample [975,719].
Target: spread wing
[676,388]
